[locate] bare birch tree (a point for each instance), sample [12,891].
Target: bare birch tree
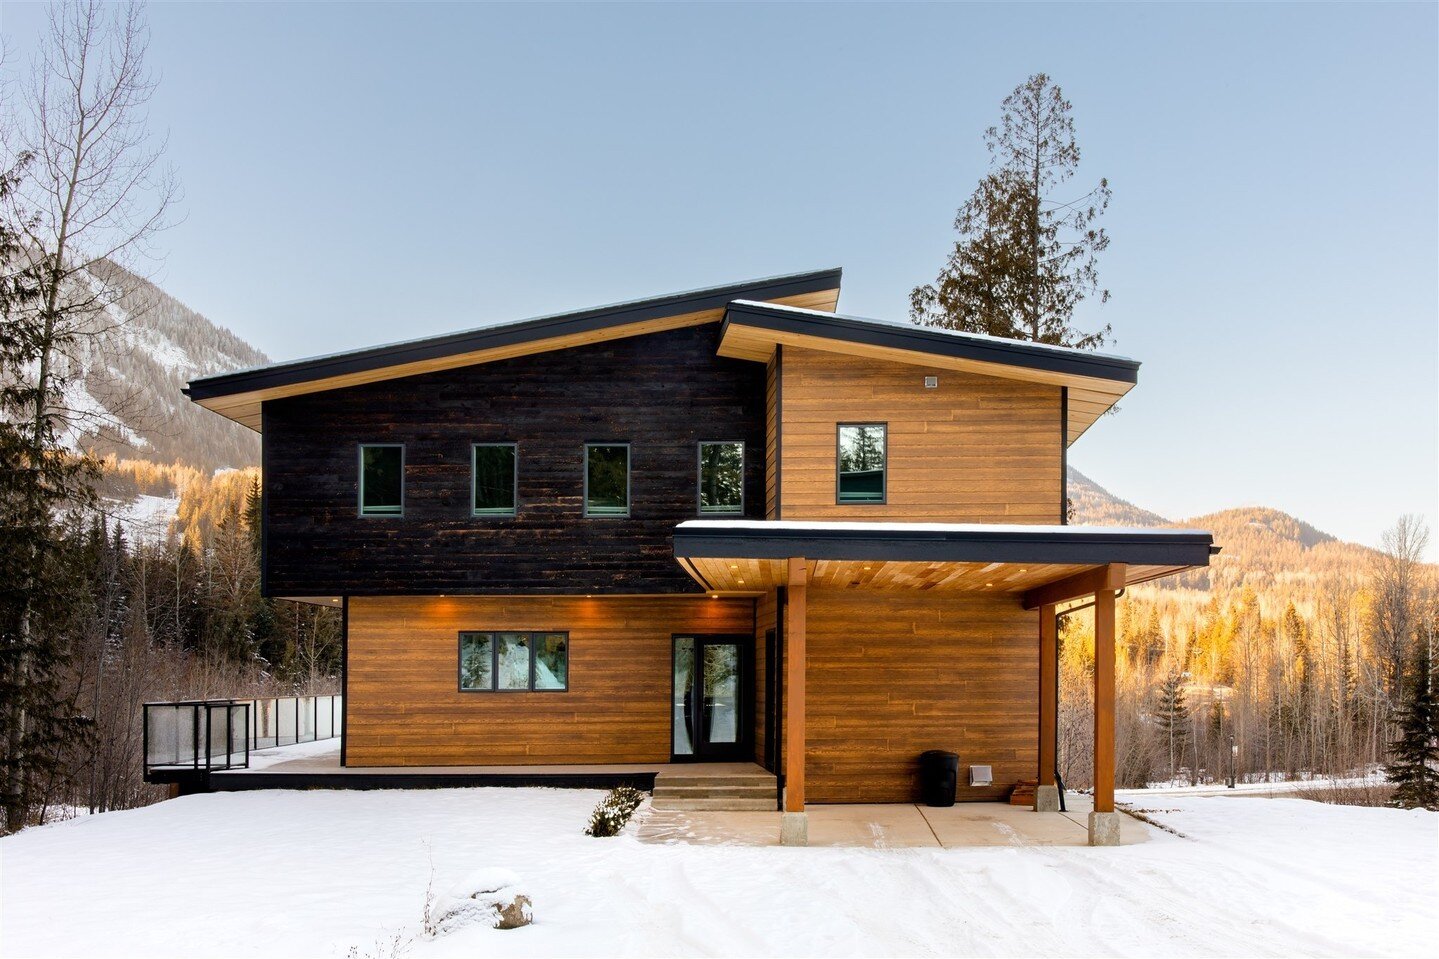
[94,192]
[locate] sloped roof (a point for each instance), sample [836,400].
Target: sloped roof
[238,395]
[1095,381]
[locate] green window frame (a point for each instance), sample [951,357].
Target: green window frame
[603,496]
[494,479]
[861,464]
[382,479]
[721,478]
[514,661]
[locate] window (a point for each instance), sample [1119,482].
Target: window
[514,662]
[721,478]
[382,480]
[494,470]
[861,463]
[607,479]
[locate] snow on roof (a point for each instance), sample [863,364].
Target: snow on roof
[957,334]
[958,529]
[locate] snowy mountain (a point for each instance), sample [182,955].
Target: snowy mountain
[124,394]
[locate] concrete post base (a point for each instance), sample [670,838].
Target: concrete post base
[1104,828]
[1046,799]
[793,829]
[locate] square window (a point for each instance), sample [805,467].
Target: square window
[721,478]
[861,461]
[382,480]
[607,479]
[494,472]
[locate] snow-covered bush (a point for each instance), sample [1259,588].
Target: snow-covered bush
[614,811]
[489,897]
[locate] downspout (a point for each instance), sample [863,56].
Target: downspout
[1058,616]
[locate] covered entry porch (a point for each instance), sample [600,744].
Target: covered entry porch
[895,638]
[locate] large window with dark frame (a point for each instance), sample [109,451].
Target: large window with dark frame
[721,481]
[514,662]
[382,479]
[607,479]
[494,473]
[861,462]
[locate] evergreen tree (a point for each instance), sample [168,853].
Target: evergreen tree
[1172,714]
[1026,255]
[1414,756]
[39,480]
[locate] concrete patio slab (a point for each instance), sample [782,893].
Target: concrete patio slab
[890,826]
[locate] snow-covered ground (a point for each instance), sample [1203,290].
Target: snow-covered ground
[317,873]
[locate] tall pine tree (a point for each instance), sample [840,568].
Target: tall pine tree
[1027,252]
[1414,756]
[39,479]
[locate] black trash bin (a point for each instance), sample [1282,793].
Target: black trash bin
[938,777]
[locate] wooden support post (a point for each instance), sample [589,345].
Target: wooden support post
[1048,692]
[1104,701]
[794,615]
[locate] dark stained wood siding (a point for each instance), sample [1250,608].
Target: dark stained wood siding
[892,674]
[404,708]
[661,392]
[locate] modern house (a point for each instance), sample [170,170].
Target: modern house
[725,525]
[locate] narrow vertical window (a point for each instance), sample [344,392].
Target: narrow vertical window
[382,480]
[861,460]
[476,662]
[494,478]
[552,661]
[512,660]
[721,478]
[607,479]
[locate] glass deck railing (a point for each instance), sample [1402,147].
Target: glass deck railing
[221,733]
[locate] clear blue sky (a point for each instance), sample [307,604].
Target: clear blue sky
[359,174]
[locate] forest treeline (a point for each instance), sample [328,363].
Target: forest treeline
[1270,671]
[170,613]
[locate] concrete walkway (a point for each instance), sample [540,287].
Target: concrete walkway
[891,826]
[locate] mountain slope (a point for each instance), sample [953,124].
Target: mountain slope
[1262,547]
[126,381]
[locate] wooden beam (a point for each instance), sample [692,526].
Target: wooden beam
[1048,692]
[1086,583]
[794,667]
[1104,701]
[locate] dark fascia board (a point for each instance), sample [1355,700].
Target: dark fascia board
[508,334]
[1074,545]
[984,349]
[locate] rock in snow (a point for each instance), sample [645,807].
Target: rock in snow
[489,896]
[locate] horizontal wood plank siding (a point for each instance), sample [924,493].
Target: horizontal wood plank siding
[662,393]
[404,708]
[889,677]
[976,449]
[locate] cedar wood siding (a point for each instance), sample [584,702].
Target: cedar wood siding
[661,392]
[978,449]
[404,707]
[890,675]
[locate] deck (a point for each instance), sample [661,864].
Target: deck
[317,766]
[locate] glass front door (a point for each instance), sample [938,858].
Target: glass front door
[709,701]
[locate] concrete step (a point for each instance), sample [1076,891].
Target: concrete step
[764,779]
[758,791]
[726,805]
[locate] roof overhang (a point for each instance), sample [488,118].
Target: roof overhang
[1095,381]
[238,395]
[743,556]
